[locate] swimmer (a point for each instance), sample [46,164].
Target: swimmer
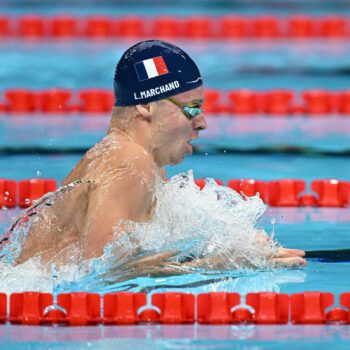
[157,114]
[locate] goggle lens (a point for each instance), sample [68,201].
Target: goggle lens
[192,112]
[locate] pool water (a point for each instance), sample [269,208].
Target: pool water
[260,147]
[175,336]
[292,226]
[242,63]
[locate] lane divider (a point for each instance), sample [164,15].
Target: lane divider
[278,193]
[197,27]
[236,102]
[123,308]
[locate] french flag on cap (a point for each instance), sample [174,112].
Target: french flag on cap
[151,68]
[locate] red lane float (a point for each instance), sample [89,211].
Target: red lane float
[235,102]
[331,193]
[307,200]
[81,308]
[99,27]
[32,26]
[133,27]
[33,189]
[345,302]
[301,27]
[199,27]
[167,27]
[4,27]
[318,102]
[28,307]
[333,27]
[266,27]
[270,308]
[233,27]
[3,307]
[244,102]
[278,193]
[310,307]
[279,102]
[212,101]
[343,103]
[55,100]
[175,308]
[225,308]
[8,192]
[285,193]
[96,100]
[63,27]
[122,308]
[21,101]
[216,307]
[249,187]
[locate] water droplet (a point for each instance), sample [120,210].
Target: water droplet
[38,173]
[27,201]
[206,153]
[7,193]
[224,151]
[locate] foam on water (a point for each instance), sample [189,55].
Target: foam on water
[217,224]
[191,231]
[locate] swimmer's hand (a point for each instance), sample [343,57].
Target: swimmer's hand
[284,257]
[289,258]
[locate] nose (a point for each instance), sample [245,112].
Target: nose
[199,123]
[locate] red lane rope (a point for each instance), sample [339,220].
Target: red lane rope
[235,102]
[198,27]
[279,193]
[80,308]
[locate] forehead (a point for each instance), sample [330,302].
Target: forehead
[191,95]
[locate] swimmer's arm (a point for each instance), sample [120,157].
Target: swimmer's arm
[160,265]
[125,196]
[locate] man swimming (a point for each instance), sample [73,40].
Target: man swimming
[157,114]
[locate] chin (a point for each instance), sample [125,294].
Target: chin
[177,160]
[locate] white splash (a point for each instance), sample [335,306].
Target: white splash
[215,227]
[216,224]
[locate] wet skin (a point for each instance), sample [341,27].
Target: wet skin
[121,171]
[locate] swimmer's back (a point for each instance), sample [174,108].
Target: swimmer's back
[85,215]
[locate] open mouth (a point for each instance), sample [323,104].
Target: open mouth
[189,147]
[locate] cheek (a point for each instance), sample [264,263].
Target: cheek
[181,129]
[173,130]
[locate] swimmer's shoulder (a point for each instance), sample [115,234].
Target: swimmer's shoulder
[133,158]
[108,158]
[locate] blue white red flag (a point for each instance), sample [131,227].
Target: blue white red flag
[151,68]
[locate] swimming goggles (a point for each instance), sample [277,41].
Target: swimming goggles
[190,111]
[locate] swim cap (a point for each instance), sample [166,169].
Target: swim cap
[152,70]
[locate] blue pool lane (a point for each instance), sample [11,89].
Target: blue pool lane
[257,65]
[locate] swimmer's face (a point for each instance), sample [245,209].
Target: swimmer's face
[173,131]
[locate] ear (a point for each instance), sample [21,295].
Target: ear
[145,111]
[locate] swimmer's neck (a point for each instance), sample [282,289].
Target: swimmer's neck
[137,134]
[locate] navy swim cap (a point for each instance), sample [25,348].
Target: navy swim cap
[152,70]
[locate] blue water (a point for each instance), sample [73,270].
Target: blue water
[222,166]
[304,228]
[181,7]
[24,148]
[273,64]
